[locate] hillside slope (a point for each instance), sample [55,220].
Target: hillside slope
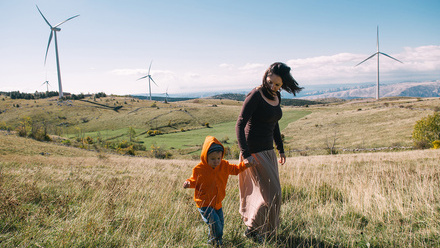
[359,125]
[346,126]
[410,89]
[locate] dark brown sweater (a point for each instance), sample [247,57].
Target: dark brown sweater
[257,126]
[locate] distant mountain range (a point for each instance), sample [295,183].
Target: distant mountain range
[409,89]
[314,92]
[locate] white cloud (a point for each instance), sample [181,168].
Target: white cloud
[128,72]
[419,63]
[340,68]
[252,67]
[226,66]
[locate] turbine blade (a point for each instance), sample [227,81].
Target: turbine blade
[142,77]
[65,21]
[390,57]
[44,17]
[366,59]
[377,42]
[150,68]
[48,44]
[153,80]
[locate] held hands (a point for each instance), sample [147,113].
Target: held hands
[186,184]
[250,161]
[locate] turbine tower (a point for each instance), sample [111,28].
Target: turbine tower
[53,33]
[377,53]
[149,79]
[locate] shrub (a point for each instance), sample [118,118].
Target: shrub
[3,126]
[66,142]
[426,131]
[436,144]
[232,152]
[88,140]
[124,144]
[39,133]
[153,132]
[158,152]
[25,127]
[224,140]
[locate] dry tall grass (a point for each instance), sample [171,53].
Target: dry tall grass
[86,199]
[359,124]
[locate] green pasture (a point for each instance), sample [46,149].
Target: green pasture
[189,138]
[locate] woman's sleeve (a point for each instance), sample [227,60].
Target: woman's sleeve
[249,106]
[277,138]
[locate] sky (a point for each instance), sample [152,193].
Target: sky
[221,45]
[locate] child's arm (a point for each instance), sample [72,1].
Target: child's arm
[235,169]
[191,182]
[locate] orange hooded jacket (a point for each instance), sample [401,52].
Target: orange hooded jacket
[210,183]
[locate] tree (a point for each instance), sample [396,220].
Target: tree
[131,133]
[426,131]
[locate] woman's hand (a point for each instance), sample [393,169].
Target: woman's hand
[282,158]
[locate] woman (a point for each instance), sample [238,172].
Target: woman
[257,128]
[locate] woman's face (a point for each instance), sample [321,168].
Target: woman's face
[274,82]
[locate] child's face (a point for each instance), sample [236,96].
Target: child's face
[214,158]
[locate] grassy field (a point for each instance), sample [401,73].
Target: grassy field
[358,125]
[183,124]
[346,126]
[54,195]
[58,196]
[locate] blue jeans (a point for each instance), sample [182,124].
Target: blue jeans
[215,220]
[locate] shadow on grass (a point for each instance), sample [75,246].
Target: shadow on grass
[293,241]
[281,240]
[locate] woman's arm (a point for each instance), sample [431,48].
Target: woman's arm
[279,143]
[249,107]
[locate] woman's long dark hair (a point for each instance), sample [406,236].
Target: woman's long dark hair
[289,83]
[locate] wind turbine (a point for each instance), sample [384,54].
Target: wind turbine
[53,32]
[166,95]
[149,79]
[377,53]
[47,85]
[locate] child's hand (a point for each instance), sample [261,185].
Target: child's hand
[249,162]
[186,185]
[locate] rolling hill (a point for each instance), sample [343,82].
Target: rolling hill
[409,89]
[178,128]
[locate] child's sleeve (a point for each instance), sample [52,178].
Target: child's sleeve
[235,169]
[192,180]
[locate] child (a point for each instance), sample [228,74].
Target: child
[209,179]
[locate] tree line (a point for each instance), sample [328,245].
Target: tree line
[48,94]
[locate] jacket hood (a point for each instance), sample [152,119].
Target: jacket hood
[209,140]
